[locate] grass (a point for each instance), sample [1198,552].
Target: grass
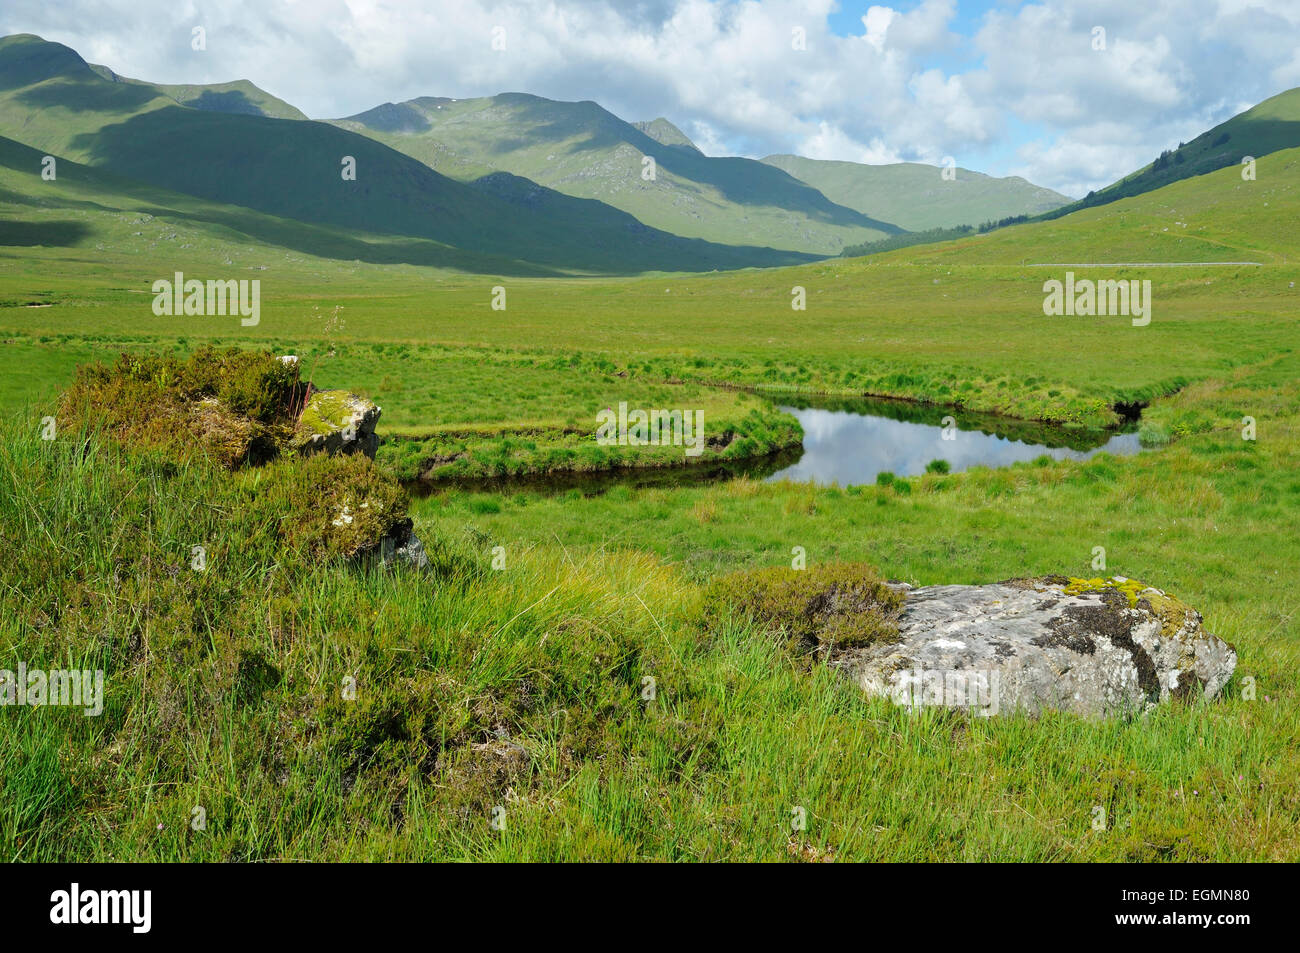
[524,687]
[958,324]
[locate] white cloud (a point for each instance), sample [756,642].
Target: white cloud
[905,87]
[877,22]
[829,142]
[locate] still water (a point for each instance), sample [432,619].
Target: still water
[852,446]
[848,442]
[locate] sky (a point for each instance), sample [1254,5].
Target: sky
[1070,94]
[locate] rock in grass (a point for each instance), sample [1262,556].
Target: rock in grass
[336,422]
[1096,648]
[401,546]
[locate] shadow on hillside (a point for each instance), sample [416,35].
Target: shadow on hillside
[743,181]
[323,242]
[50,234]
[232,101]
[91,93]
[290,169]
[393,117]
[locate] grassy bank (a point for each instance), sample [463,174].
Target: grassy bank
[522,688]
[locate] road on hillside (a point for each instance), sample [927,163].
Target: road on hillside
[1135,264]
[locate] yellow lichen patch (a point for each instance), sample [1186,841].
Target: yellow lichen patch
[1171,612]
[1130,588]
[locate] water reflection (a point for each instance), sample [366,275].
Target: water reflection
[847,441]
[851,447]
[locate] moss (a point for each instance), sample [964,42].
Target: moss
[326,411]
[819,608]
[1129,588]
[1171,612]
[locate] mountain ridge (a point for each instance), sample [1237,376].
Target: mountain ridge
[1271,125]
[584,150]
[51,99]
[916,195]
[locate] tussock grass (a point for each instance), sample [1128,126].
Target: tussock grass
[523,687]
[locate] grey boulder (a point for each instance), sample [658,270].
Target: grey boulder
[1096,649]
[335,421]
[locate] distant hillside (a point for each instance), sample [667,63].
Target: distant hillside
[1211,218]
[240,97]
[54,101]
[915,196]
[1268,127]
[661,130]
[88,207]
[585,151]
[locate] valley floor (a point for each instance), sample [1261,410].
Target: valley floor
[516,693]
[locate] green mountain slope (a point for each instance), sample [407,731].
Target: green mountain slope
[1215,217]
[86,207]
[53,101]
[915,196]
[240,97]
[663,131]
[583,150]
[1261,130]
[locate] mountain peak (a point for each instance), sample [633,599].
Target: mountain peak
[396,117]
[26,58]
[664,132]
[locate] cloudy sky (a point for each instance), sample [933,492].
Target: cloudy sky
[1006,87]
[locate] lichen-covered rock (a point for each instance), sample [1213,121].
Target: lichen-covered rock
[334,422]
[1091,647]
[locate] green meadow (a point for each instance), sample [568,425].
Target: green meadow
[511,682]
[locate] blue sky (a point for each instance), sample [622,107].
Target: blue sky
[968,16]
[847,19]
[1008,88]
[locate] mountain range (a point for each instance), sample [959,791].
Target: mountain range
[512,183]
